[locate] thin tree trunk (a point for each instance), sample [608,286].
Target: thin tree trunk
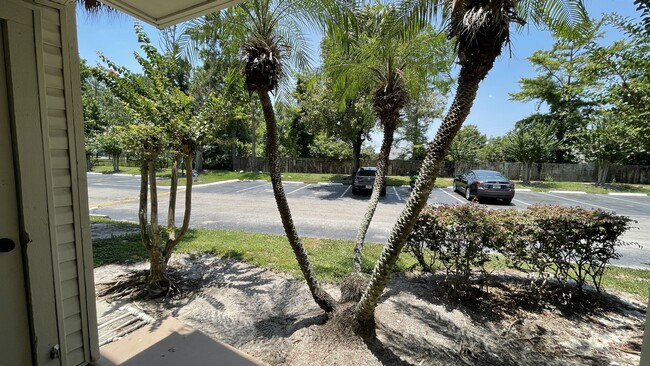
[468,83]
[89,161]
[322,298]
[603,169]
[356,152]
[382,163]
[171,244]
[156,276]
[233,153]
[253,157]
[171,211]
[528,167]
[142,209]
[198,160]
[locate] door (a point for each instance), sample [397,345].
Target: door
[15,344]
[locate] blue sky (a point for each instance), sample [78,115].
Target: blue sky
[493,112]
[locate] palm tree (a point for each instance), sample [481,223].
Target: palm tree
[376,56]
[274,39]
[480,28]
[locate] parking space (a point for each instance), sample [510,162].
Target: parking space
[111,188]
[332,211]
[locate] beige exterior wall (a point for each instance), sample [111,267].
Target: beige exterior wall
[48,127]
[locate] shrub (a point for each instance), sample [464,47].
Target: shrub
[569,243]
[455,240]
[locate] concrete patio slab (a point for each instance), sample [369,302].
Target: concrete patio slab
[171,343]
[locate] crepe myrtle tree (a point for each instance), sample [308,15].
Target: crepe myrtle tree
[606,140]
[529,144]
[166,121]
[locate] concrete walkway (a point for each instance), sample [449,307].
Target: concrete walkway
[170,343]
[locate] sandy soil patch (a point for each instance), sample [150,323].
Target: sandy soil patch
[272,317]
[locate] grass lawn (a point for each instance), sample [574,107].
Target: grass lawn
[331,259]
[105,166]
[585,187]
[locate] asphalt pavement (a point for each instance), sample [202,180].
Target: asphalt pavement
[331,211]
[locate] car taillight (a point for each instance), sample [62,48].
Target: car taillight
[478,184]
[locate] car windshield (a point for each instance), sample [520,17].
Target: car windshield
[366,173]
[490,176]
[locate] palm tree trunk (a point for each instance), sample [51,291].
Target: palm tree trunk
[468,83]
[322,298]
[382,163]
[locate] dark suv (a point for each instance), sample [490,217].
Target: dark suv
[365,179]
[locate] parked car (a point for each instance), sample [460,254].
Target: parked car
[365,179]
[484,184]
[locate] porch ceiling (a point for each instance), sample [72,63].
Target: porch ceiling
[164,13]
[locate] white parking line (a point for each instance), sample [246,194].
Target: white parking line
[296,190]
[624,200]
[397,194]
[346,191]
[522,202]
[249,188]
[576,201]
[214,183]
[631,194]
[452,196]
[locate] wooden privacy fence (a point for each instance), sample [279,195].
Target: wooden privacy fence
[633,174]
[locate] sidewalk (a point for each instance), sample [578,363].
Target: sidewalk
[169,343]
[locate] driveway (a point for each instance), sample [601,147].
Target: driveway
[331,211]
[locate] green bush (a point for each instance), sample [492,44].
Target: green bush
[568,243]
[571,244]
[455,240]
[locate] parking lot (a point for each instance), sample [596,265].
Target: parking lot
[331,211]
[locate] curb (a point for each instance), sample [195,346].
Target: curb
[253,180]
[523,190]
[214,183]
[291,182]
[568,192]
[101,216]
[330,183]
[628,194]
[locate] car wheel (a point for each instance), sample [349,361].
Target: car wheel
[453,187]
[383,192]
[507,201]
[412,184]
[355,191]
[468,193]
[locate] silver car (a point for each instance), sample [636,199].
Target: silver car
[484,184]
[364,181]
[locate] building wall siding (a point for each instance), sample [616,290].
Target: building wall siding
[62,162]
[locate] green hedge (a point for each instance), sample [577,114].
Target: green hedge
[570,244]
